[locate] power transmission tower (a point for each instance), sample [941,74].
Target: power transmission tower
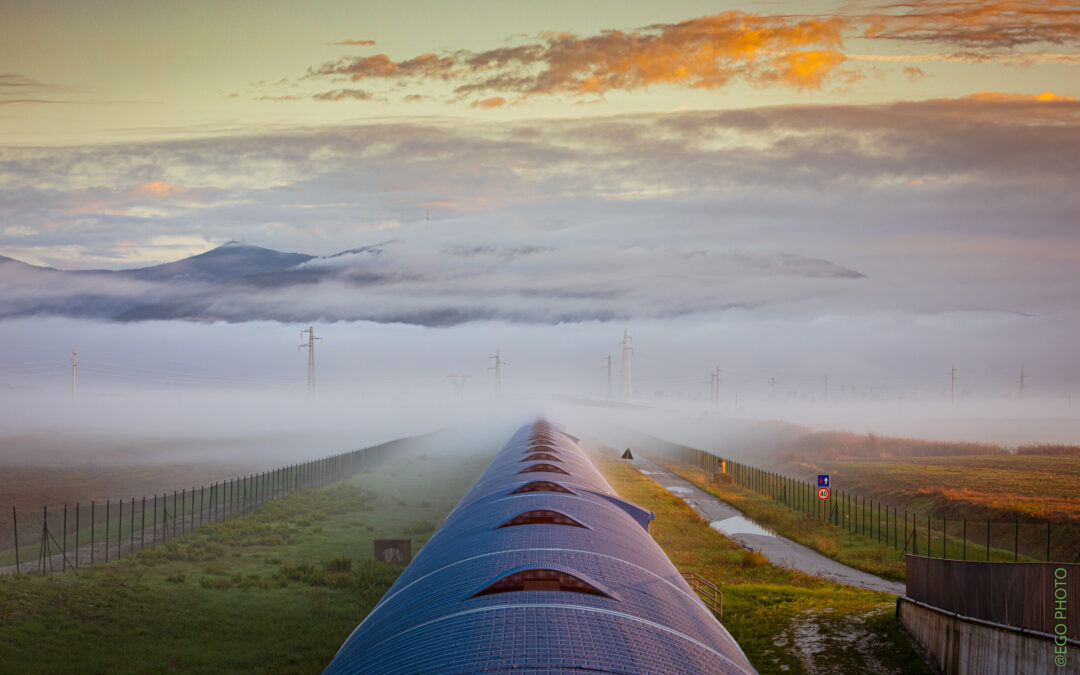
[499,363]
[826,387]
[459,380]
[772,383]
[609,392]
[952,384]
[73,366]
[717,393]
[311,357]
[627,385]
[712,384]
[1023,382]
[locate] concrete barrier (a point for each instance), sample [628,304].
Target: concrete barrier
[963,645]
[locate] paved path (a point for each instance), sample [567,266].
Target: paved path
[730,521]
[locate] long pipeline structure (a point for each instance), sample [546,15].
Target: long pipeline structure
[541,568]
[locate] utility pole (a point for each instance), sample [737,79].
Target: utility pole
[952,384]
[772,384]
[712,384]
[1023,382]
[718,371]
[627,385]
[609,392]
[826,387]
[73,366]
[499,363]
[459,380]
[311,357]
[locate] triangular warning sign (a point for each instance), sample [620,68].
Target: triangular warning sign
[627,454]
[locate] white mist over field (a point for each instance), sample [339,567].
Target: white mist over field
[182,392]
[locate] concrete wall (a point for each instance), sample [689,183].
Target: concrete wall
[962,645]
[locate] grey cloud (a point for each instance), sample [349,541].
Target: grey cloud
[555,199]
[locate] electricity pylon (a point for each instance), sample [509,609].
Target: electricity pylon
[499,363]
[627,385]
[311,357]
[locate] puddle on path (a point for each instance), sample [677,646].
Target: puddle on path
[739,525]
[677,490]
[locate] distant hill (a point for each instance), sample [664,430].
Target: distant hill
[422,282]
[224,263]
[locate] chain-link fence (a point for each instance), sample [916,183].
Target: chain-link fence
[71,536]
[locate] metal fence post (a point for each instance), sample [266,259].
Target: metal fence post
[15,527]
[915,533]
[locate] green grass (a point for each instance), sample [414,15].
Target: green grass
[277,590]
[767,609]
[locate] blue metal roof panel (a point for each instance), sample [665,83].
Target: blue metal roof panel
[429,620]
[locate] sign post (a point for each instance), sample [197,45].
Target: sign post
[823,492]
[627,456]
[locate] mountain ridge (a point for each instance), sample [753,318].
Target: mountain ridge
[418,282]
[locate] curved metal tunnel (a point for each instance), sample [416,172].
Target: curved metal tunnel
[541,567]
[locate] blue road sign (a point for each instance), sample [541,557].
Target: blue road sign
[823,480]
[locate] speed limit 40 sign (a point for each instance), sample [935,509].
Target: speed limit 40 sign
[823,493]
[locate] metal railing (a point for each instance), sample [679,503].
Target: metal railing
[707,591]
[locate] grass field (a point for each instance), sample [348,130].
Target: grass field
[275,591]
[785,621]
[280,589]
[974,486]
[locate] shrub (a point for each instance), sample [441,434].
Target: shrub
[754,559]
[216,583]
[338,564]
[420,527]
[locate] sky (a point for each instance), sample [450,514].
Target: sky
[879,189]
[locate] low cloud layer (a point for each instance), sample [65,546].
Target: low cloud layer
[422,282]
